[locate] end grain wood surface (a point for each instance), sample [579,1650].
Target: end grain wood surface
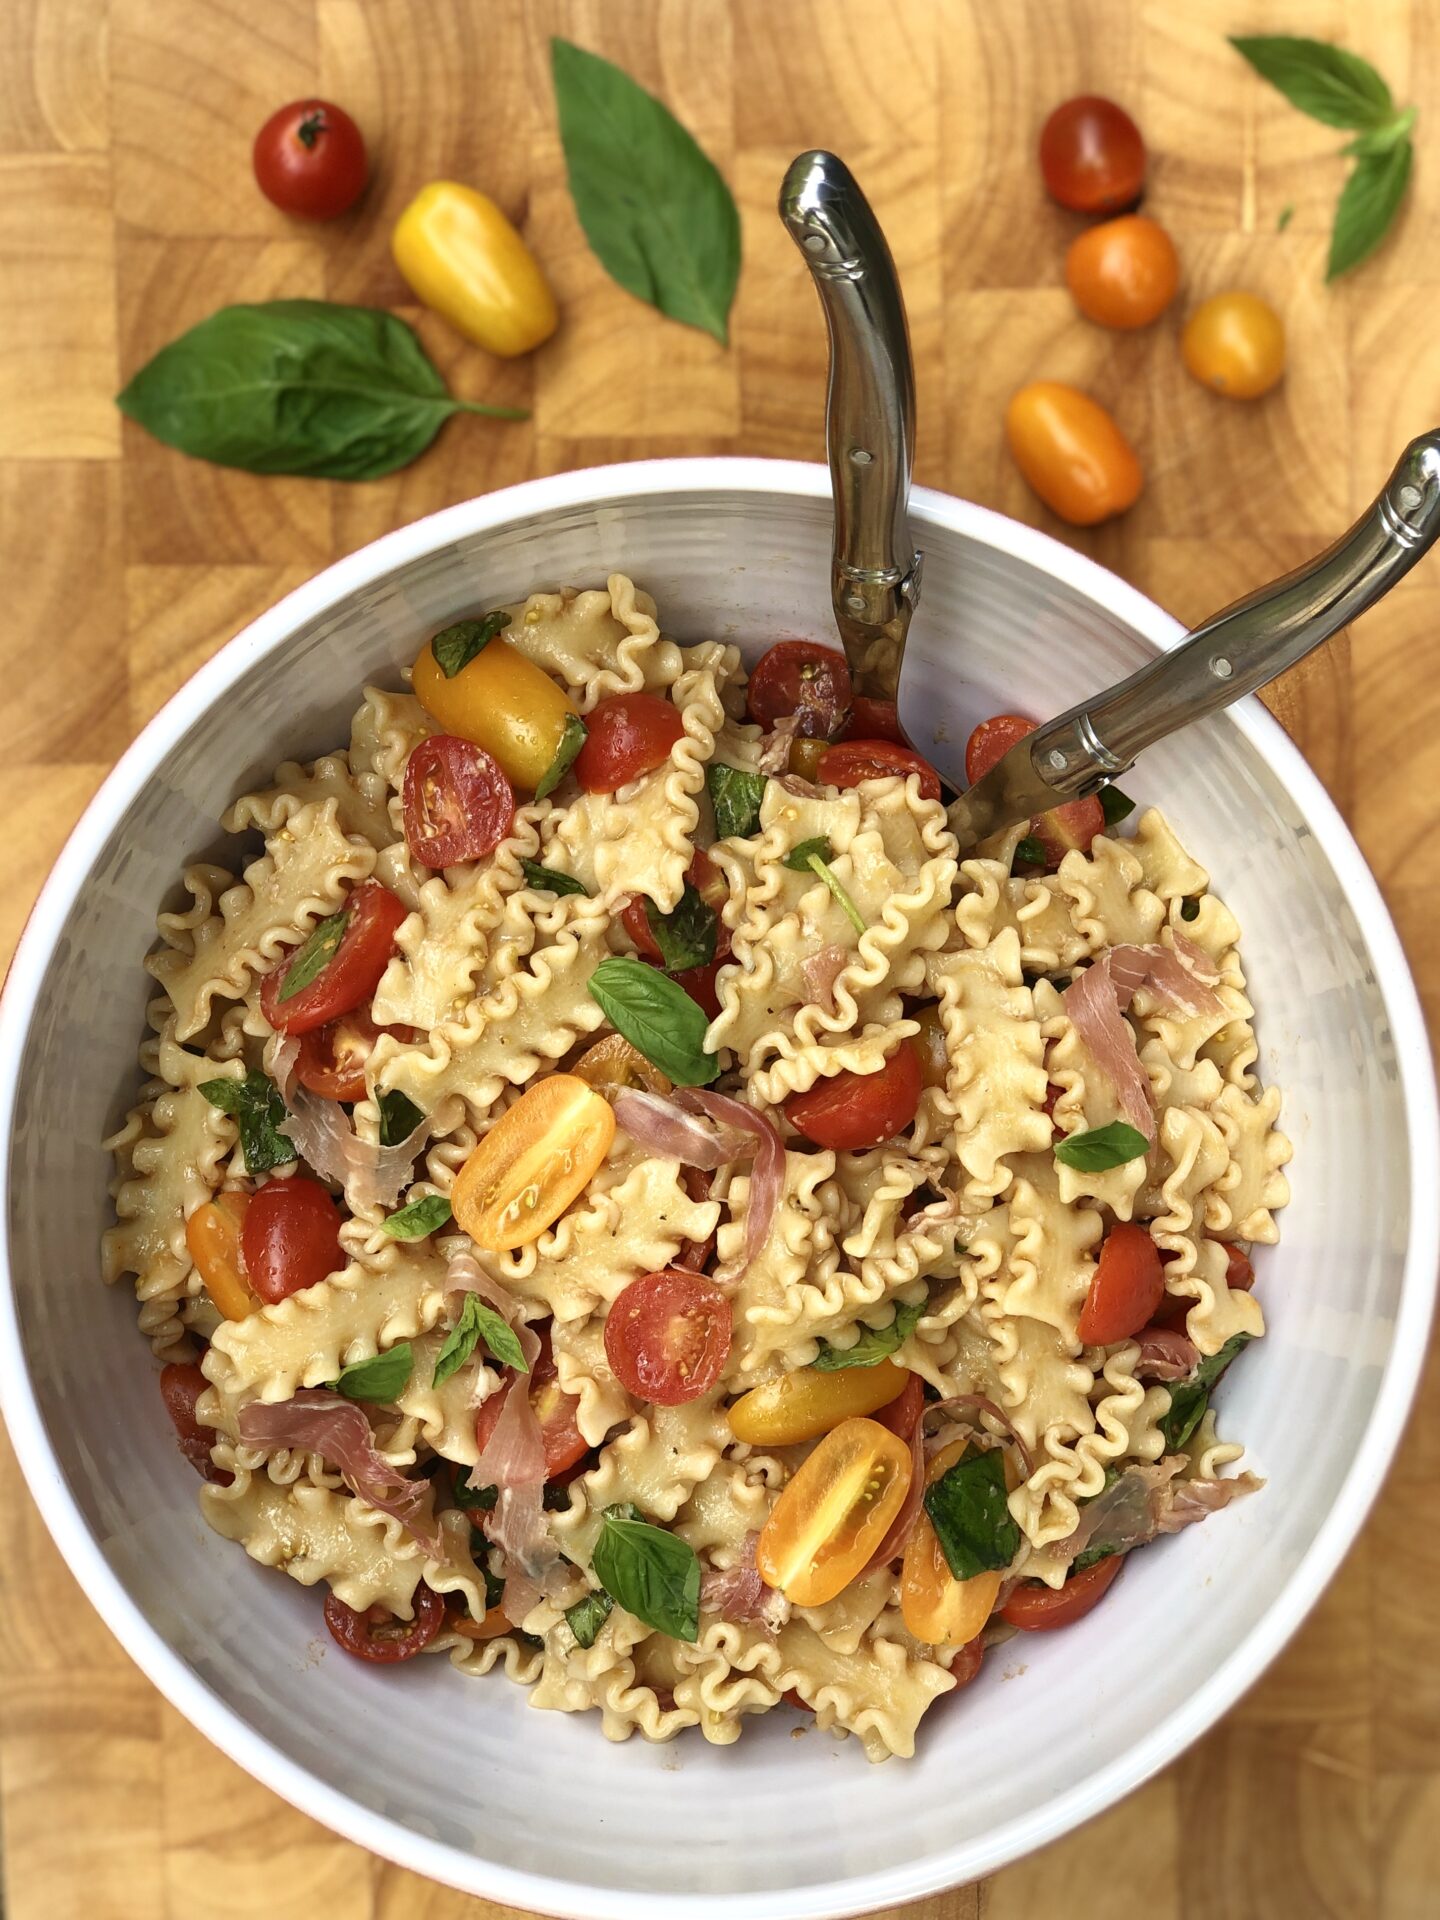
[127,212]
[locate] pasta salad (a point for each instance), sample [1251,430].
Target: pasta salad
[617,1198]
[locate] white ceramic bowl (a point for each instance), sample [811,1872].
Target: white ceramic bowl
[461,1780]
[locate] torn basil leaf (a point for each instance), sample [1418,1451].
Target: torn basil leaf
[1190,907]
[382,1378]
[686,937]
[1102,1147]
[1189,1398]
[874,1345]
[572,739]
[972,1521]
[547,880]
[311,959]
[473,1499]
[736,796]
[1029,852]
[478,1322]
[419,1219]
[587,1616]
[399,1117]
[1115,805]
[457,646]
[254,1104]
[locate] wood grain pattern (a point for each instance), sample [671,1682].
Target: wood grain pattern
[127,211]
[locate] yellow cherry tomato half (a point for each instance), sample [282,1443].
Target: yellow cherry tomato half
[805,757]
[462,258]
[935,1606]
[830,1519]
[534,1161]
[1235,344]
[212,1235]
[804,1404]
[504,703]
[1072,453]
[1123,273]
[934,1060]
[613,1062]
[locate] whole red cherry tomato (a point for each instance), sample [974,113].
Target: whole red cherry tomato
[181,1385]
[458,804]
[1126,1287]
[1092,156]
[310,159]
[628,734]
[358,952]
[1036,1608]
[803,678]
[853,1111]
[854,761]
[667,1337]
[554,1408]
[291,1237]
[376,1634]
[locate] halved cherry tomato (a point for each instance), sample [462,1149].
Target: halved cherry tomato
[534,1161]
[1235,345]
[555,1409]
[613,1062]
[992,740]
[490,1628]
[1123,273]
[667,1337]
[1239,1272]
[377,1635]
[1073,824]
[803,678]
[629,734]
[851,762]
[1127,1286]
[333,1058]
[830,1518]
[458,804]
[903,1412]
[309,158]
[181,1385]
[503,703]
[935,1606]
[809,1401]
[1071,453]
[1092,156]
[350,976]
[804,760]
[708,881]
[1036,1608]
[874,720]
[967,1663]
[291,1237]
[852,1111]
[930,1041]
[212,1235]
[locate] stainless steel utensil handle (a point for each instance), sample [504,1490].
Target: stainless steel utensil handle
[870,408]
[1249,643]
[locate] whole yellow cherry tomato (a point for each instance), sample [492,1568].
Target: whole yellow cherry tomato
[504,703]
[1124,272]
[1072,453]
[1235,344]
[804,1404]
[935,1606]
[831,1518]
[462,257]
[934,1060]
[534,1161]
[212,1235]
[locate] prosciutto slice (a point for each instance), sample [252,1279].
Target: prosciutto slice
[1098,999]
[371,1175]
[1148,1501]
[820,972]
[767,1175]
[738,1593]
[316,1421]
[1165,1354]
[666,1128]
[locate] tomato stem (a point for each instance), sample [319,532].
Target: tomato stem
[310,130]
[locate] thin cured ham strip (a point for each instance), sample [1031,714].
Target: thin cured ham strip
[1178,985]
[372,1175]
[1165,1354]
[1097,1000]
[775,747]
[767,1175]
[315,1421]
[1148,1501]
[820,972]
[666,1128]
[738,1593]
[1195,958]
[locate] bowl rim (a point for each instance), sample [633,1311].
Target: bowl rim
[905,1880]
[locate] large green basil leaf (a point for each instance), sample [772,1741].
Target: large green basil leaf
[969,1512]
[657,1016]
[651,1573]
[254,1104]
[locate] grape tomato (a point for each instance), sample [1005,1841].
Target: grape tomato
[1071,453]
[350,975]
[852,762]
[849,1112]
[1235,345]
[628,735]
[1123,273]
[291,1237]
[378,1635]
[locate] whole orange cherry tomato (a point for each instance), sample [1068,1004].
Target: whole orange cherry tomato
[1124,272]
[1235,344]
[1072,453]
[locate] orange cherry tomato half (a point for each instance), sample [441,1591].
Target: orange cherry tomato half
[851,762]
[350,976]
[457,803]
[874,720]
[667,1337]
[613,1062]
[902,1414]
[1074,824]
[628,734]
[1092,156]
[212,1237]
[803,678]
[291,1237]
[1123,273]
[534,1161]
[1127,1286]
[967,1663]
[935,1606]
[1036,1608]
[556,1410]
[1072,453]
[376,1634]
[309,158]
[181,1385]
[830,1518]
[852,1111]
[1235,345]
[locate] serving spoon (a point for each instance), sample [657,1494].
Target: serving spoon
[875,570]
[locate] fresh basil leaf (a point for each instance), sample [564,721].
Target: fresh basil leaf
[657,1016]
[1210,1369]
[297,386]
[1190,907]
[572,739]
[817,854]
[1115,805]
[968,1510]
[399,1117]
[799,857]
[587,1616]
[1189,1398]
[478,1322]
[1368,203]
[1328,83]
[655,210]
[457,646]
[736,796]
[1091,1557]
[311,959]
[1382,139]
[547,880]
[1101,1147]
[651,1573]
[473,1499]
[254,1104]
[686,937]
[874,1345]
[420,1219]
[382,1378]
[1029,852]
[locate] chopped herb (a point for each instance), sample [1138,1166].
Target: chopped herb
[254,1104]
[312,959]
[969,1512]
[587,1616]
[686,937]
[457,646]
[657,1016]
[473,1499]
[1102,1147]
[1029,852]
[382,1378]
[478,1322]
[1190,907]
[651,1573]
[1189,1398]
[1115,805]
[572,739]
[736,796]
[547,880]
[874,1345]
[817,854]
[1287,214]
[419,1219]
[399,1117]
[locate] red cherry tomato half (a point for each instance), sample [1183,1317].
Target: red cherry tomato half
[309,159]
[1075,824]
[992,740]
[853,1111]
[555,1410]
[709,883]
[333,1058]
[627,735]
[667,1337]
[180,1387]
[967,1663]
[1239,1273]
[291,1237]
[699,983]
[458,804]
[1039,1609]
[1092,156]
[874,720]
[351,974]
[799,677]
[1127,1286]
[376,1634]
[902,1413]
[854,761]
